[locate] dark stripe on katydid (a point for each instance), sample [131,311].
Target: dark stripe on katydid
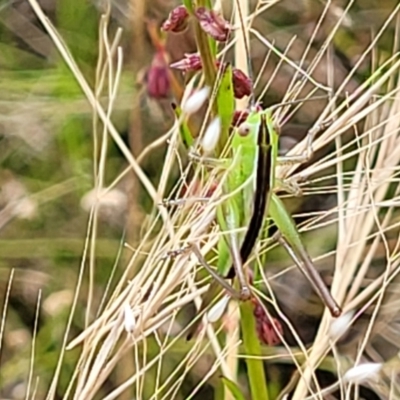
[261,197]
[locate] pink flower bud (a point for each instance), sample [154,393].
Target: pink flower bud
[157,78]
[191,62]
[213,24]
[177,20]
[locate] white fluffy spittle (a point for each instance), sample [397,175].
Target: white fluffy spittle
[113,199]
[362,372]
[195,101]
[218,309]
[340,325]
[129,319]
[26,208]
[211,135]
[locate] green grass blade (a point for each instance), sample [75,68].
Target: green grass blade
[225,105]
[253,351]
[233,388]
[184,131]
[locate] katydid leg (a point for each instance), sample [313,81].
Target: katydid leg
[306,266]
[307,154]
[214,289]
[291,240]
[238,266]
[218,278]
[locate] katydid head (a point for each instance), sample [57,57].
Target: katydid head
[250,126]
[244,129]
[245,135]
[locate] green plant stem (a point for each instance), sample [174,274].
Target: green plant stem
[207,60]
[203,46]
[253,351]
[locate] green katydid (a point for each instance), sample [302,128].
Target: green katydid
[254,152]
[258,132]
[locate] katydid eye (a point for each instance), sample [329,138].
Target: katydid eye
[244,129]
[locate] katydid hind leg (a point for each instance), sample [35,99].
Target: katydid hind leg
[219,279]
[291,241]
[306,266]
[245,292]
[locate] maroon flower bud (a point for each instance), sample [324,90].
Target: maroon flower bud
[157,78]
[240,116]
[268,328]
[177,20]
[213,24]
[242,84]
[267,332]
[191,62]
[211,189]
